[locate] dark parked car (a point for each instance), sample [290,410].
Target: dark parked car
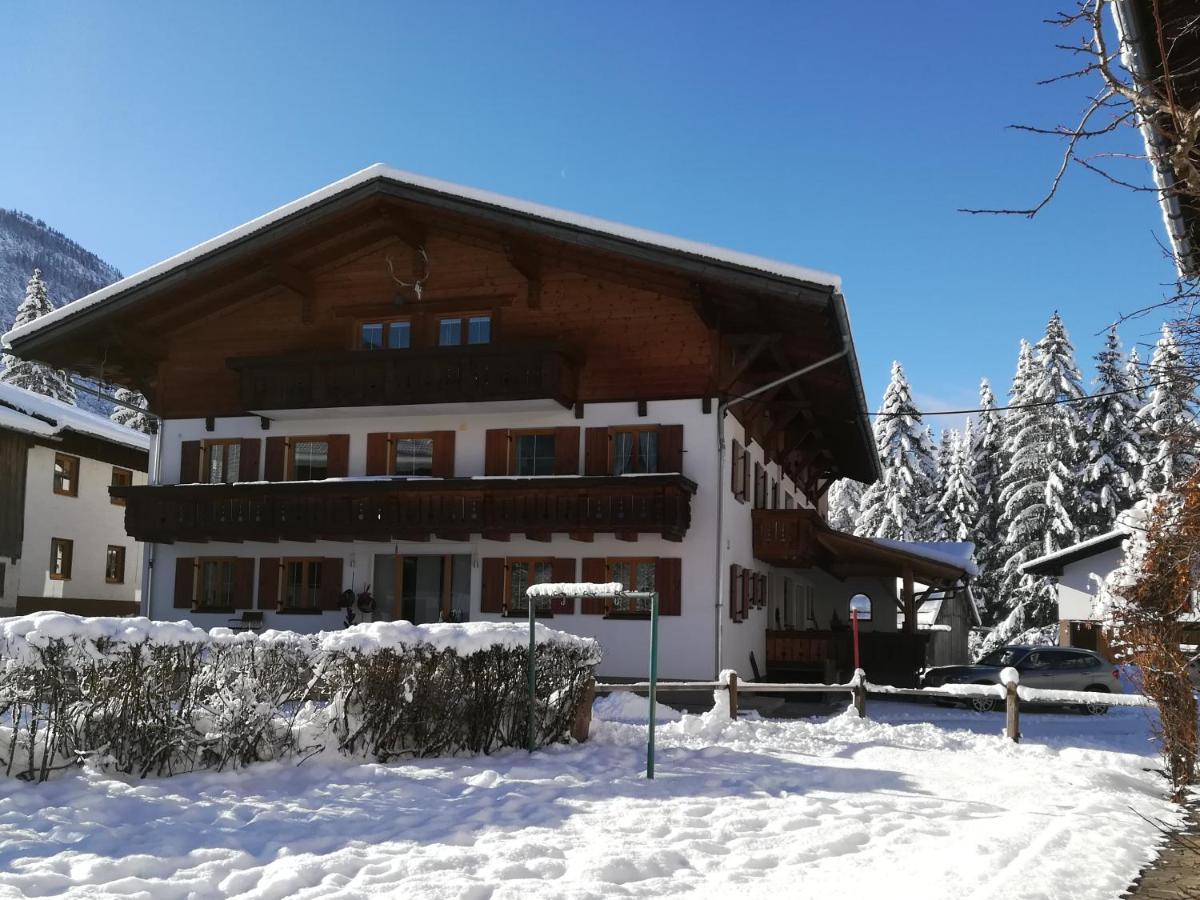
[1049,668]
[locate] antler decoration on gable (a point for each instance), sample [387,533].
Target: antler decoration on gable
[415,285]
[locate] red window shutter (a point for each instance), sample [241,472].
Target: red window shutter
[248,456]
[339,456]
[495,452]
[443,454]
[563,571]
[275,465]
[735,592]
[189,462]
[595,452]
[268,582]
[491,598]
[670,448]
[566,450]
[243,584]
[595,571]
[377,454]
[668,581]
[185,580]
[331,582]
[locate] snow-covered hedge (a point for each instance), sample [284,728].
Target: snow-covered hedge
[157,698]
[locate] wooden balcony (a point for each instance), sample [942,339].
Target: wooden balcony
[787,537]
[431,375]
[888,657]
[411,509]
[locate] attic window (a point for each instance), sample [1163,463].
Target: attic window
[394,335]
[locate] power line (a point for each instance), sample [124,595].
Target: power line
[1036,403]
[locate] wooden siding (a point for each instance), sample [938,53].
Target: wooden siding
[14,459]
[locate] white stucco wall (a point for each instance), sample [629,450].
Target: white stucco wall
[1077,586]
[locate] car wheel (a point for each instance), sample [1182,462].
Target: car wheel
[982,704]
[1096,709]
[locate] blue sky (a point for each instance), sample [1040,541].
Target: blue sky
[798,131]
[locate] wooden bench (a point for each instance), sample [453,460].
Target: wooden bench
[249,620]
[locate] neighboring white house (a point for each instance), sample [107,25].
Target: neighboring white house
[63,543]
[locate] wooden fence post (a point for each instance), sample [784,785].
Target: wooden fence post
[860,696]
[733,695]
[1012,728]
[583,712]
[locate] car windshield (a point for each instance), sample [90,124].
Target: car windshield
[1005,656]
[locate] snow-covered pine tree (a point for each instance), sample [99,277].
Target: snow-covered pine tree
[1169,419]
[1112,443]
[845,502]
[123,415]
[987,467]
[958,506]
[27,374]
[897,506]
[1135,374]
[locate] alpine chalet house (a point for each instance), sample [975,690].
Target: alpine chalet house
[441,395]
[63,544]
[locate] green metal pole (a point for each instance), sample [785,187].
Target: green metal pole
[532,674]
[653,682]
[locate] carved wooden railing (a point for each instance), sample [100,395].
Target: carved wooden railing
[784,537]
[417,509]
[469,374]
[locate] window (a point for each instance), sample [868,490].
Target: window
[114,564]
[215,583]
[120,478]
[634,450]
[1067,660]
[521,574]
[222,460]
[476,329]
[302,584]
[66,475]
[61,551]
[394,335]
[633,574]
[860,605]
[533,453]
[479,330]
[412,455]
[310,459]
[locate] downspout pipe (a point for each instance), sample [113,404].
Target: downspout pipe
[722,409]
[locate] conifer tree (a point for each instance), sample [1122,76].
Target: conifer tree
[28,374]
[123,415]
[1169,419]
[958,506]
[1135,374]
[1112,443]
[987,467]
[845,503]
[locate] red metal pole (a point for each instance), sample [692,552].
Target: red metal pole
[854,628]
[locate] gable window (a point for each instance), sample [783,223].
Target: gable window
[114,564]
[120,478]
[521,574]
[456,330]
[61,551]
[66,475]
[302,584]
[215,577]
[634,450]
[412,455]
[309,459]
[221,461]
[533,453]
[392,335]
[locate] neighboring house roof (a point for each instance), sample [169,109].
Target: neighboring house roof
[1053,563]
[44,417]
[952,553]
[931,608]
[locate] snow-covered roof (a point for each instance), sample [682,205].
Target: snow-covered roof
[1044,565]
[954,553]
[41,416]
[386,173]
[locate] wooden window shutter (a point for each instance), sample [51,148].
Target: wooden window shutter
[495,452]
[377,454]
[764,588]
[491,598]
[566,450]
[744,595]
[243,584]
[668,572]
[745,473]
[185,579]
[338,465]
[275,464]
[737,462]
[443,454]
[735,592]
[563,571]
[268,582]
[670,448]
[331,582]
[595,571]
[189,462]
[759,500]
[248,456]
[595,452]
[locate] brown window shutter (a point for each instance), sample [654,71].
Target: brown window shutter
[745,473]
[189,462]
[268,582]
[331,582]
[595,452]
[668,578]
[339,456]
[735,592]
[735,472]
[495,452]
[275,465]
[243,584]
[563,572]
[443,454]
[745,594]
[595,571]
[758,486]
[377,454]
[670,448]
[491,598]
[185,581]
[566,450]
[248,456]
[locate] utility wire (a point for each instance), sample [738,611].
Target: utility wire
[1036,403]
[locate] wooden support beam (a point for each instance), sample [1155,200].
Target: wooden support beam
[453,535]
[497,536]
[743,355]
[525,260]
[910,602]
[585,537]
[542,536]
[630,536]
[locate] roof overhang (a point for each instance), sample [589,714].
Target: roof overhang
[1052,564]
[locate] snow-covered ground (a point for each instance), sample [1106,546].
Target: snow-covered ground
[916,802]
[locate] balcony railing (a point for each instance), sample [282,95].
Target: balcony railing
[469,374]
[411,509]
[785,537]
